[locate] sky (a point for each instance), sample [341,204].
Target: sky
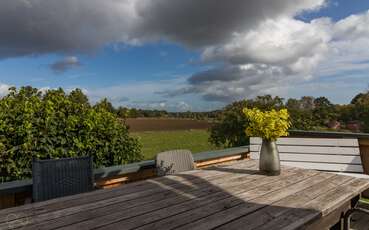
[186,55]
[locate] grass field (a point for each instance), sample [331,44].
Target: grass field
[164,124]
[158,141]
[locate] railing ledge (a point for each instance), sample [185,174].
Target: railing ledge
[113,171]
[16,186]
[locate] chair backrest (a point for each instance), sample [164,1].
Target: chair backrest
[174,161]
[326,154]
[61,177]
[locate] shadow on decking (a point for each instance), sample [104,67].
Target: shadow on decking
[181,201]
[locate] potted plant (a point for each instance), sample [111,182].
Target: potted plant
[268,125]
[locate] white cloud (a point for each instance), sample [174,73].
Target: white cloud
[4,89]
[140,94]
[282,55]
[275,42]
[280,51]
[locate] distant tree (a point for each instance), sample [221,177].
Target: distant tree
[324,111]
[106,105]
[307,103]
[293,104]
[230,124]
[357,98]
[122,112]
[229,127]
[267,102]
[361,109]
[133,113]
[77,96]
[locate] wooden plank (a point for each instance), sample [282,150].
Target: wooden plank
[143,174]
[249,206]
[356,175]
[331,219]
[277,209]
[217,161]
[115,212]
[364,149]
[79,199]
[364,141]
[247,183]
[325,166]
[120,213]
[128,198]
[313,149]
[204,211]
[343,142]
[319,207]
[215,154]
[316,158]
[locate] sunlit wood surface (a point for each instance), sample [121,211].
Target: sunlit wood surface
[228,196]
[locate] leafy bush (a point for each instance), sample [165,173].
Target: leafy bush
[57,125]
[269,124]
[229,127]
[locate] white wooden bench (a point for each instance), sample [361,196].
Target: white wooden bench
[337,155]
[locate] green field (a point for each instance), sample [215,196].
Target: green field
[154,142]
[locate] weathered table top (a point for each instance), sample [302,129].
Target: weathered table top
[229,196]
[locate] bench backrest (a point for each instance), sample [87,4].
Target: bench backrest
[327,154]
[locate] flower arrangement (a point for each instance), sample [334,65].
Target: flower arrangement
[268,125]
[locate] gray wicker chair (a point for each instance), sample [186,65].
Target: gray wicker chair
[174,161]
[61,177]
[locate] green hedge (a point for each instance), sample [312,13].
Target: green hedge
[54,124]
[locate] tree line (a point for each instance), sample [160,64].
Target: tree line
[307,113]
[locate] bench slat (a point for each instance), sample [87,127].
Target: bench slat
[311,141]
[315,158]
[313,149]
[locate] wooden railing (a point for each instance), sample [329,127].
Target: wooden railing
[18,192]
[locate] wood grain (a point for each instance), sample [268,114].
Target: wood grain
[228,196]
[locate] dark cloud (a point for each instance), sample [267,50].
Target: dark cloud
[65,64]
[30,27]
[203,23]
[46,26]
[232,83]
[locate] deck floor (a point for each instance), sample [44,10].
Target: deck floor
[228,196]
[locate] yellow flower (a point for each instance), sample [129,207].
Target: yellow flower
[269,125]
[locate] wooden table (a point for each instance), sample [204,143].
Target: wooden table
[228,196]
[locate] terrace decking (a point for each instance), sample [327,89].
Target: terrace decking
[229,196]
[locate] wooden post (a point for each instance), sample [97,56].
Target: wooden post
[364,152]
